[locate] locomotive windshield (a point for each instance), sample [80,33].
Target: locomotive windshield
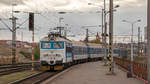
[52,45]
[46,45]
[57,45]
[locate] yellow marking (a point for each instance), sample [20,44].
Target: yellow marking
[45,68]
[60,67]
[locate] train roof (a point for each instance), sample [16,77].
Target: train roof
[78,43]
[55,39]
[74,43]
[94,44]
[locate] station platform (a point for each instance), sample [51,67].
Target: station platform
[92,73]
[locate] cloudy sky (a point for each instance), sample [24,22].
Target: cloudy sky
[79,14]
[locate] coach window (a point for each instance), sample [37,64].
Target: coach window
[68,49]
[97,51]
[85,50]
[92,50]
[116,51]
[75,50]
[81,50]
[101,51]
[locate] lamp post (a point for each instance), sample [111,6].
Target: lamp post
[104,28]
[102,14]
[132,25]
[148,41]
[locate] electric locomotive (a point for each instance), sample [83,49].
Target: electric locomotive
[55,52]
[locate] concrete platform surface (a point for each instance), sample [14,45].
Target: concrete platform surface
[93,73]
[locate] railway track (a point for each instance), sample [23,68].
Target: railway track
[15,65]
[35,79]
[8,69]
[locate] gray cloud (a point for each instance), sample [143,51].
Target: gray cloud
[81,5]
[129,10]
[132,3]
[9,2]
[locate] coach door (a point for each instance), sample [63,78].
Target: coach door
[69,56]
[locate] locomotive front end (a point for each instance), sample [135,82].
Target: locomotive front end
[51,55]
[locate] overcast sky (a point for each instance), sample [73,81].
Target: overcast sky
[79,14]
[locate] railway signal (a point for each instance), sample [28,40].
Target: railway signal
[31,28]
[31,21]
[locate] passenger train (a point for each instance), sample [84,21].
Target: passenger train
[57,53]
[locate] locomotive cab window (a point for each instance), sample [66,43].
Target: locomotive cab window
[46,45]
[52,45]
[58,45]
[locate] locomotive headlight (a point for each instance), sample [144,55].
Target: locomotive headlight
[45,55]
[58,55]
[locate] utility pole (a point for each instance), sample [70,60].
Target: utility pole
[87,36]
[138,41]
[111,37]
[105,32]
[65,33]
[33,50]
[145,40]
[66,29]
[132,55]
[22,40]
[102,23]
[22,36]
[13,39]
[148,39]
[13,30]
[141,44]
[60,28]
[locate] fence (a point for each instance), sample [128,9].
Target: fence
[139,69]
